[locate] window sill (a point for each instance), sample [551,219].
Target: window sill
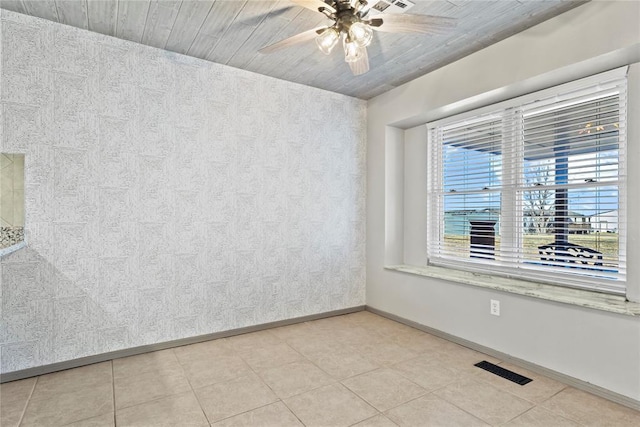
[582,298]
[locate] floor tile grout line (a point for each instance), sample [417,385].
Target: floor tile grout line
[379,412]
[249,410]
[404,375]
[258,375]
[274,392]
[378,365]
[37,382]
[157,398]
[232,379]
[85,419]
[557,412]
[236,353]
[302,392]
[343,379]
[336,381]
[313,389]
[206,417]
[555,394]
[152,400]
[26,404]
[316,365]
[475,378]
[464,410]
[519,415]
[408,379]
[486,382]
[370,418]
[404,403]
[534,404]
[363,398]
[278,399]
[270,345]
[294,414]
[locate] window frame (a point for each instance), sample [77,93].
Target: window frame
[512,113]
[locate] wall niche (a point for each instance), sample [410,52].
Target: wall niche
[11,202]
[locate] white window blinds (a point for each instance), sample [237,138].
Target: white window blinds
[534,187]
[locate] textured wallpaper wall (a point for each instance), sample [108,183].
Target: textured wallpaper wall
[168,197]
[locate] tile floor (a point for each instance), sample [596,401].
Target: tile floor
[359,369]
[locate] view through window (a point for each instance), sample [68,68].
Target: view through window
[534,189]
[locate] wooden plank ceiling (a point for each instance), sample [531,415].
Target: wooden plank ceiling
[231,32]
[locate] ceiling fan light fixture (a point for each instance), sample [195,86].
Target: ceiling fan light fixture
[361,34]
[327,40]
[352,52]
[352,23]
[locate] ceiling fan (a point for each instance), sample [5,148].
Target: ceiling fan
[352,24]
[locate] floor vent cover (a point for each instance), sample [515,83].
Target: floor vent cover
[504,373]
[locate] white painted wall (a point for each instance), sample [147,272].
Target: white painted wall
[169,197]
[594,346]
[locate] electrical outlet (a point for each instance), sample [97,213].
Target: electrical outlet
[495,307]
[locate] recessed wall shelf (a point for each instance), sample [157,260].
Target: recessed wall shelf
[11,202]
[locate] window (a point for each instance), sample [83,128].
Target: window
[534,187]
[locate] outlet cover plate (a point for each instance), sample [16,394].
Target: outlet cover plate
[495,307]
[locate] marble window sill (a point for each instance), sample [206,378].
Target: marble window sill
[582,298]
[12,248]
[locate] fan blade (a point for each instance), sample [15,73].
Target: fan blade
[298,38]
[360,66]
[425,24]
[314,5]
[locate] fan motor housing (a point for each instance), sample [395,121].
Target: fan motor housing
[345,15]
